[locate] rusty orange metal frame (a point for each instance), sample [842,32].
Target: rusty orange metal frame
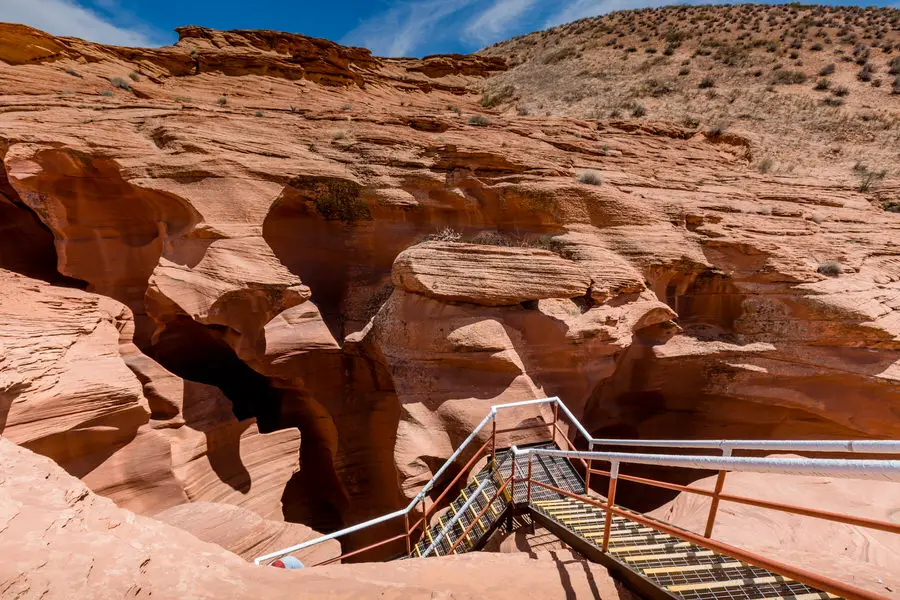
[427,513]
[716,495]
[846,590]
[788,508]
[481,514]
[361,550]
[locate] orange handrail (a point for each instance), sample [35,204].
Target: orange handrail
[848,591]
[788,508]
[481,514]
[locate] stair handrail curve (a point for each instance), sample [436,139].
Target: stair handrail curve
[491,417]
[450,524]
[726,446]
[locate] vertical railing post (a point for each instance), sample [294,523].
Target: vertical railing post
[587,474]
[494,440]
[714,503]
[555,421]
[530,456]
[512,479]
[610,501]
[408,544]
[425,517]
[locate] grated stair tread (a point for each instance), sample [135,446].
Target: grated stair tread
[553,471]
[679,567]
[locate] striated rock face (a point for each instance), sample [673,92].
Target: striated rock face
[283,239]
[487,275]
[59,540]
[246,533]
[74,388]
[66,392]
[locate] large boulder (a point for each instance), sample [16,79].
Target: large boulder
[487,275]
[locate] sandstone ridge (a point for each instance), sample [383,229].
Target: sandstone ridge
[262,272]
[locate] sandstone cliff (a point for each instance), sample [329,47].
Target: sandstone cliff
[290,276]
[60,540]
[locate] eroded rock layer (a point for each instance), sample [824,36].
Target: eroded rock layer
[60,540]
[283,239]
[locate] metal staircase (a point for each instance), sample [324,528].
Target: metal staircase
[662,565]
[658,560]
[656,564]
[463,536]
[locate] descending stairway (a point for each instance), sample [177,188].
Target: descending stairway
[656,564]
[555,471]
[486,524]
[663,565]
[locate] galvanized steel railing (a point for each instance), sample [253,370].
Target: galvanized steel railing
[857,469]
[887,470]
[420,497]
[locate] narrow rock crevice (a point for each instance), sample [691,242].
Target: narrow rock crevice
[198,353]
[27,245]
[314,495]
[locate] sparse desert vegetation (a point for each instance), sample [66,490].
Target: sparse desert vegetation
[590,177]
[817,75]
[120,83]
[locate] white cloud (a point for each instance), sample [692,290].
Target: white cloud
[497,19]
[405,26]
[579,9]
[66,17]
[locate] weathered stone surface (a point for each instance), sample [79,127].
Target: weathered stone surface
[248,203]
[451,362]
[75,389]
[487,275]
[59,540]
[64,389]
[246,533]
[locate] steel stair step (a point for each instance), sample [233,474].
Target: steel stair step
[644,548]
[691,568]
[710,585]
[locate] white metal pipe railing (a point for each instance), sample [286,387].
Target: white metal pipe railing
[492,416]
[456,517]
[358,527]
[703,462]
[565,409]
[851,446]
[826,467]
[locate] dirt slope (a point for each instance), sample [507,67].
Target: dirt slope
[815,88]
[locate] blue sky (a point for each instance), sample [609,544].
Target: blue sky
[388,27]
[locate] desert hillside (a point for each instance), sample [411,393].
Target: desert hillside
[262,278]
[815,88]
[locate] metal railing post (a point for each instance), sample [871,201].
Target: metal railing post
[887,469]
[714,503]
[610,501]
[494,441]
[512,478]
[530,457]
[555,420]
[587,474]
[408,544]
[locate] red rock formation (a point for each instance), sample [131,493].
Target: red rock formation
[246,533]
[60,540]
[265,226]
[76,389]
